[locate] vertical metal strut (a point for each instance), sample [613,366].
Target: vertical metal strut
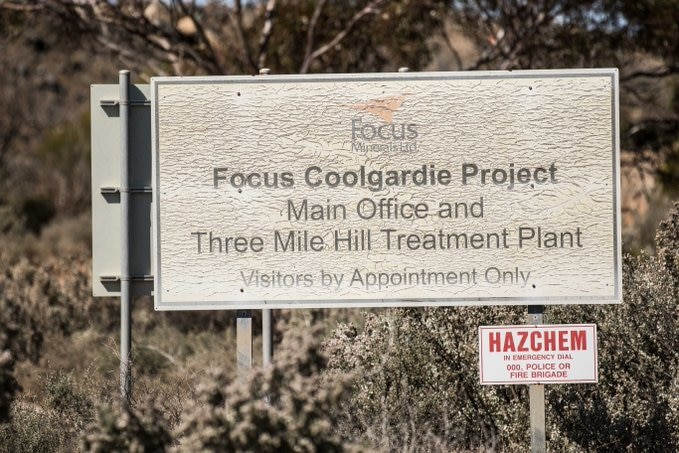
[536,392]
[267,325]
[125,281]
[244,340]
[267,337]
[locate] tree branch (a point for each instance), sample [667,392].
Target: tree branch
[203,37]
[517,28]
[125,30]
[164,354]
[312,29]
[12,6]
[370,8]
[449,43]
[656,73]
[267,29]
[238,26]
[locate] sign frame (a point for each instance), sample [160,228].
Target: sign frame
[397,301]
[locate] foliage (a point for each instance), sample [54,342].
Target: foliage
[52,426]
[286,407]
[66,398]
[8,385]
[420,368]
[417,388]
[651,25]
[33,430]
[17,317]
[419,381]
[634,406]
[667,240]
[669,169]
[65,150]
[550,34]
[44,142]
[126,429]
[54,296]
[299,36]
[10,221]
[183,37]
[391,34]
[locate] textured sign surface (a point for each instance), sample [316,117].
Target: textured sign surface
[538,354]
[386,190]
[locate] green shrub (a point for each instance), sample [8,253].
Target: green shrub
[49,423]
[8,385]
[419,388]
[33,430]
[11,222]
[63,185]
[286,407]
[122,428]
[54,296]
[634,407]
[66,397]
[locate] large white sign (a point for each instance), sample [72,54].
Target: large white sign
[538,354]
[386,189]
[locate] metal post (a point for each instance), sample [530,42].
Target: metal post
[267,334]
[125,281]
[244,340]
[267,325]
[536,393]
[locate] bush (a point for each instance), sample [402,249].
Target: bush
[122,428]
[8,385]
[286,407]
[634,406]
[65,397]
[33,430]
[52,423]
[52,297]
[420,388]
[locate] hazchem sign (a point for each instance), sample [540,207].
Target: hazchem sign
[538,354]
[404,189]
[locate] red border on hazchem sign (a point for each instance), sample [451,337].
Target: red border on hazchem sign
[538,354]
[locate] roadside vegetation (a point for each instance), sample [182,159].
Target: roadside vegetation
[342,380]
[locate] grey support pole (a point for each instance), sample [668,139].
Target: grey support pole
[267,334]
[125,281]
[244,340]
[538,440]
[267,325]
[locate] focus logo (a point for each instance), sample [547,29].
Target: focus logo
[396,137]
[393,131]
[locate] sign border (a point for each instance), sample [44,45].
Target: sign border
[544,381]
[616,298]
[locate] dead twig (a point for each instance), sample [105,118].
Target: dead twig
[370,8]
[267,29]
